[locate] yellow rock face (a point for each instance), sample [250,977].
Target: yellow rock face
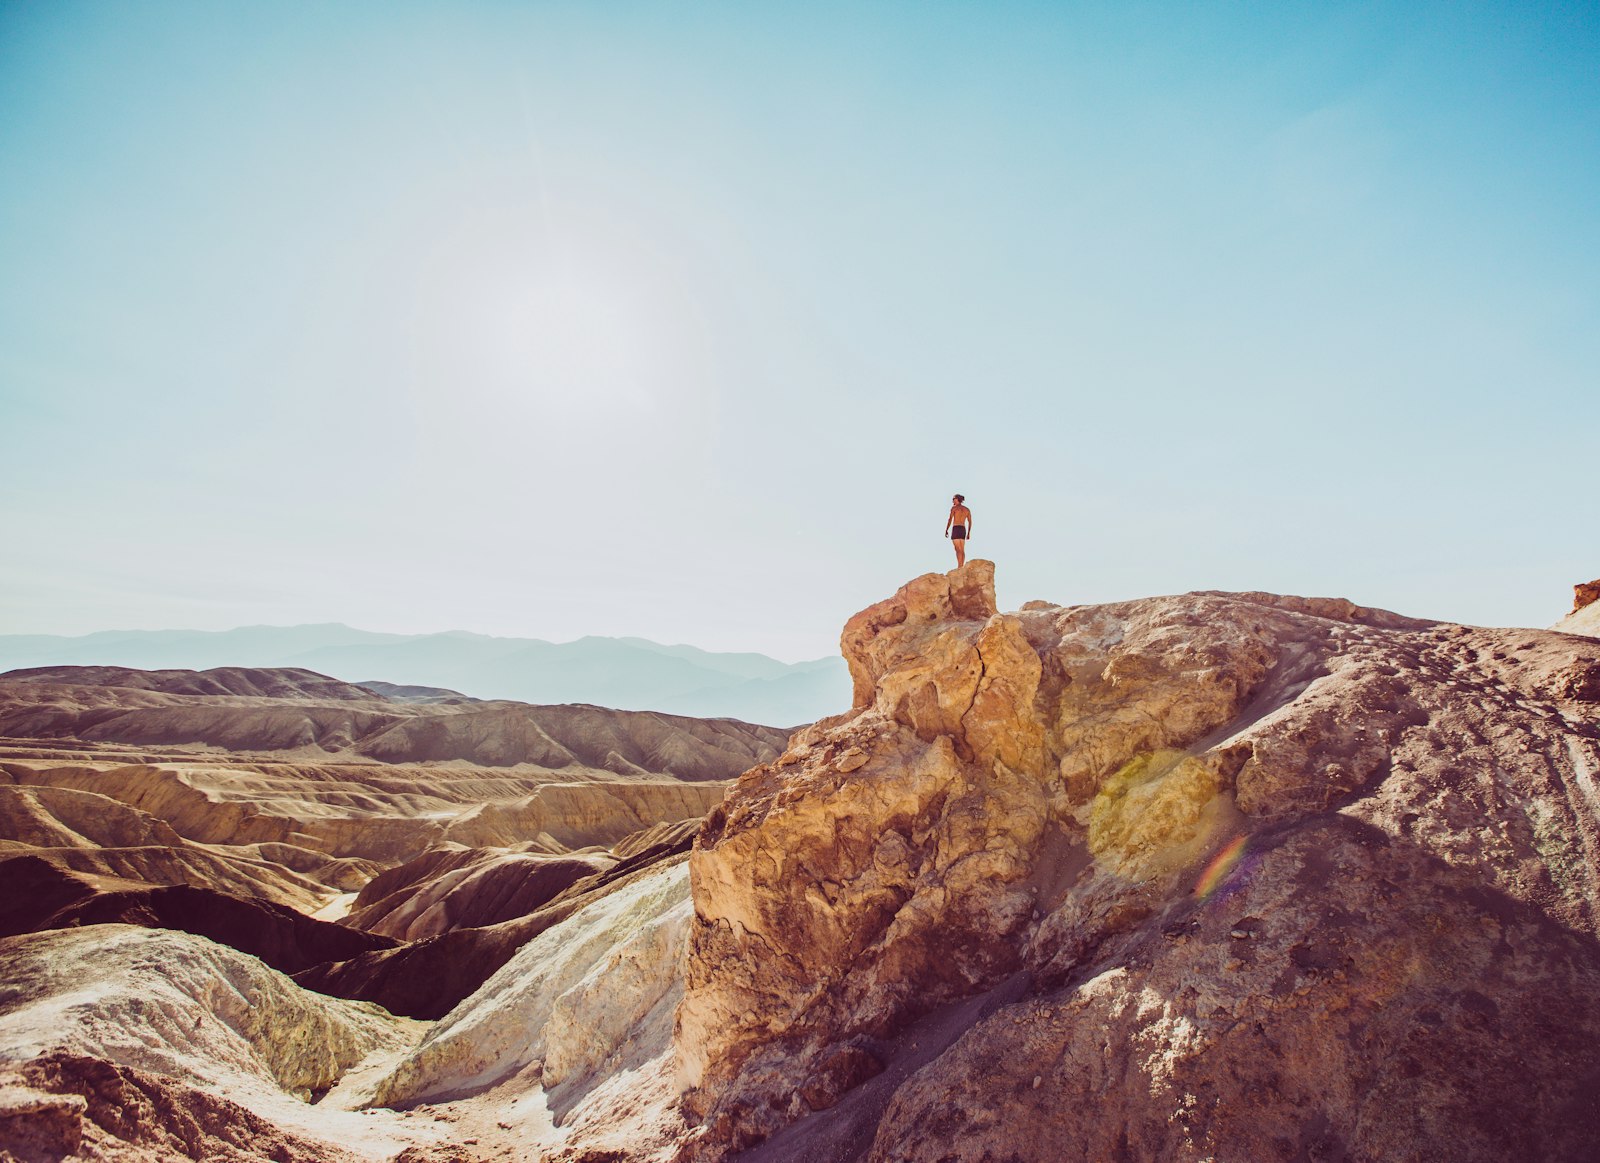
[1156,814]
[896,837]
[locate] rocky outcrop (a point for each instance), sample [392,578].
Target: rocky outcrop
[1242,876]
[1585,616]
[869,893]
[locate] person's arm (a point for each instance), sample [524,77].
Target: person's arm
[949,521]
[969,524]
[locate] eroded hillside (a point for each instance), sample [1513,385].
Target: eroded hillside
[257,807]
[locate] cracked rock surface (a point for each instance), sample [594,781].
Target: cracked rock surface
[1240,876]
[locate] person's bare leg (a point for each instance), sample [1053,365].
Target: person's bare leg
[961,551]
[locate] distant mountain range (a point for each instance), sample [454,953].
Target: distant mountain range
[626,673]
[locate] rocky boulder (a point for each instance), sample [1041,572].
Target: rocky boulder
[1242,876]
[1585,615]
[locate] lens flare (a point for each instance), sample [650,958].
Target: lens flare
[1219,874]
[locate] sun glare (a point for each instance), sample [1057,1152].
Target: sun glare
[555,321]
[573,341]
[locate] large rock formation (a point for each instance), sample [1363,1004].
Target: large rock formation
[1211,876]
[1585,615]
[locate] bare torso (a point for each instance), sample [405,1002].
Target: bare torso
[958,527]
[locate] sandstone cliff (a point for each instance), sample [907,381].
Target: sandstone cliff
[1212,876]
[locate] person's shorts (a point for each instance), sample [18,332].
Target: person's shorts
[959,533]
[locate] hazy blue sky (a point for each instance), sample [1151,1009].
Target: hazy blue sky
[685,320]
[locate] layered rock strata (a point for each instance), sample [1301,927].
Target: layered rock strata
[429,977]
[132,1044]
[340,814]
[41,896]
[157,827]
[266,710]
[1246,877]
[455,888]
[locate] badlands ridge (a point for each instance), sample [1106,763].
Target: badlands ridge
[1213,876]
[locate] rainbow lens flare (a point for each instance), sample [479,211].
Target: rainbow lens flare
[1219,873]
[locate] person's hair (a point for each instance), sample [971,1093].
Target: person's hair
[960,498]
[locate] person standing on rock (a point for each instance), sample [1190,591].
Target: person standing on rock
[958,527]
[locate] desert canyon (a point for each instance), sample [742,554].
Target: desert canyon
[1214,876]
